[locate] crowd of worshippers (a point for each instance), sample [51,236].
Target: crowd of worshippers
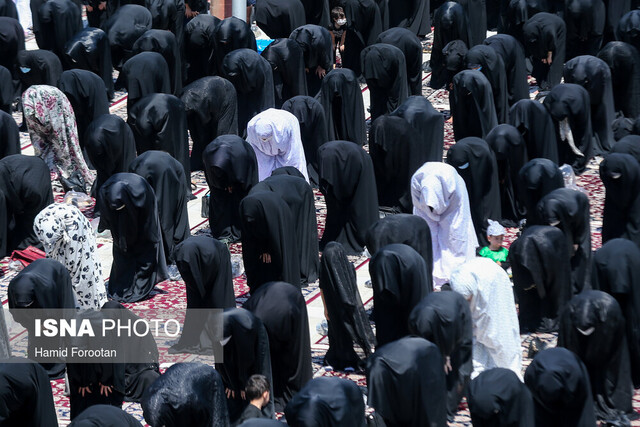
[267,129]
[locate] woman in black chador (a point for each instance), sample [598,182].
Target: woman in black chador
[123,28]
[129,209]
[624,62]
[269,245]
[159,122]
[25,189]
[444,319]
[593,327]
[569,107]
[9,135]
[449,24]
[341,99]
[411,47]
[205,266]
[212,110]
[429,124]
[163,42]
[394,146]
[568,210]
[318,58]
[186,394]
[537,178]
[168,15]
[535,124]
[59,21]
[620,174]
[615,272]
[544,36]
[384,68]
[512,54]
[38,67]
[559,385]
[12,35]
[282,309]
[348,322]
[472,106]
[410,14]
[401,228]
[166,176]
[349,187]
[231,170]
[327,402]
[144,74]
[287,63]
[252,77]
[89,50]
[626,30]
[497,397]
[200,46]
[245,353]
[476,164]
[278,18]
[104,415]
[493,68]
[407,384]
[298,196]
[232,34]
[313,129]
[400,280]
[585,21]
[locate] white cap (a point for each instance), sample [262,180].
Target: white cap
[495,229]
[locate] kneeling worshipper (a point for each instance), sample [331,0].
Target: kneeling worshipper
[269,246]
[407,384]
[327,402]
[440,197]
[286,58]
[54,135]
[496,335]
[123,28]
[275,138]
[341,99]
[205,266]
[449,24]
[400,280]
[104,415]
[347,320]
[245,353]
[129,209]
[497,397]
[620,174]
[585,21]
[568,210]
[402,228]
[25,189]
[315,41]
[593,327]
[212,110]
[429,124]
[349,187]
[25,392]
[110,147]
[569,107]
[9,135]
[187,394]
[166,176]
[144,74]
[624,62]
[231,170]
[411,47]
[43,284]
[559,385]
[38,67]
[232,34]
[199,47]
[615,272]
[282,309]
[444,318]
[472,106]
[542,282]
[544,38]
[67,237]
[536,179]
[512,54]
[476,164]
[298,195]
[488,62]
[535,124]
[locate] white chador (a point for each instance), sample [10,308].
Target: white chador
[440,196]
[275,138]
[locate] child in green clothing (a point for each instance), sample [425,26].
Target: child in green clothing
[495,251]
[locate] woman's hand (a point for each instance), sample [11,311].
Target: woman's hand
[83,390]
[266,258]
[105,390]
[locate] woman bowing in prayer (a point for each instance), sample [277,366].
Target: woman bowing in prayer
[620,174]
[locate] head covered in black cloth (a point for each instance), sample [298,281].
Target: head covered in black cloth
[129,209]
[347,319]
[497,398]
[287,62]
[411,47]
[449,24]
[620,174]
[512,54]
[624,62]
[101,415]
[493,68]
[429,124]
[231,171]
[39,67]
[615,272]
[166,176]
[144,74]
[472,106]
[593,327]
[406,382]
[627,28]
[9,135]
[169,15]
[535,124]
[400,281]
[163,42]
[12,35]
[246,353]
[348,184]
[327,402]
[545,34]
[89,50]
[123,28]
[278,18]
[232,34]
[59,21]
[7,91]
[341,98]
[559,385]
[200,46]
[536,179]
[282,309]
[444,319]
[187,394]
[630,144]
[585,21]
[8,9]
[317,11]
[316,45]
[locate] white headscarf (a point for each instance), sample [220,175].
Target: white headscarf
[68,237]
[496,331]
[275,138]
[440,196]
